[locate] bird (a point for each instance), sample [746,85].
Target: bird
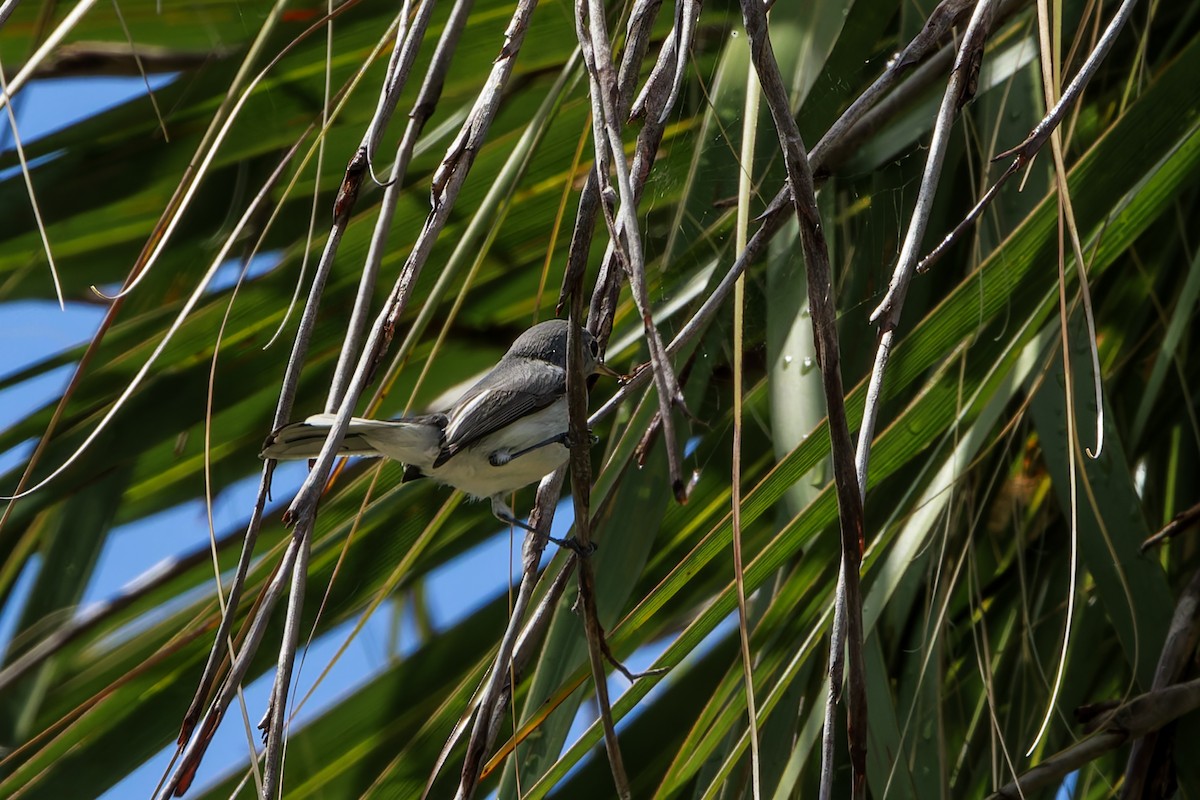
[507,431]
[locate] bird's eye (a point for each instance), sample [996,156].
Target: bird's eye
[594,346]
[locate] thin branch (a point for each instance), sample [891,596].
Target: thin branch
[283,412]
[274,722]
[653,104]
[859,121]
[837,667]
[581,495]
[447,182]
[30,67]
[874,106]
[609,147]
[1180,523]
[1027,149]
[472,244]
[637,41]
[686,15]
[1141,715]
[496,695]
[1177,651]
[824,322]
[493,697]
[423,108]
[1024,152]
[6,9]
[527,642]
[959,89]
[408,42]
[194,750]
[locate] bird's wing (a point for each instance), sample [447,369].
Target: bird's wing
[501,398]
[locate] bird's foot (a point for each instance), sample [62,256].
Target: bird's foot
[502,512]
[575,546]
[499,458]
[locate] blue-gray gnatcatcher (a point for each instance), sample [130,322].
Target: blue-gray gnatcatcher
[505,432]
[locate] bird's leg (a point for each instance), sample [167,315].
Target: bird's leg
[502,457]
[503,512]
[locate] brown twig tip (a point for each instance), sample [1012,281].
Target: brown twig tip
[1088,713]
[351,183]
[1017,152]
[1178,524]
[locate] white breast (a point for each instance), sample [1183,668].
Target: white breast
[471,470]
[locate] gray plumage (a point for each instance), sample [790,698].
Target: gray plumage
[530,376]
[506,431]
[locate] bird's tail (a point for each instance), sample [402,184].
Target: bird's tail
[408,441]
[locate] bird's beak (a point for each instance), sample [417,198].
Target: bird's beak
[605,369]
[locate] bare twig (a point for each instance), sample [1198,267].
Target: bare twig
[597,644]
[1024,152]
[859,118]
[423,108]
[303,513]
[863,117]
[837,669]
[959,89]
[610,150]
[1145,713]
[30,67]
[493,698]
[193,752]
[581,495]
[637,40]
[404,53]
[470,246]
[408,42]
[1180,523]
[847,613]
[1027,149]
[447,182]
[654,103]
[283,411]
[824,319]
[528,640]
[686,15]
[275,720]
[6,9]
[1176,653]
